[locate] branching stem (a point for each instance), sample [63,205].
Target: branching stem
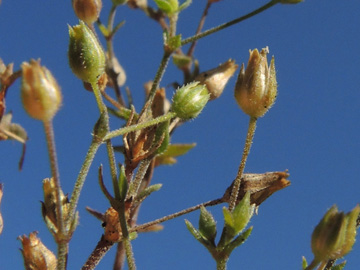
[237,181]
[225,25]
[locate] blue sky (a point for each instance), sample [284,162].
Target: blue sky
[312,130]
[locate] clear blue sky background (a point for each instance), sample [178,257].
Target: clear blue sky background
[313,130]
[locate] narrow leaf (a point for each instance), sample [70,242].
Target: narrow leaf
[207,225]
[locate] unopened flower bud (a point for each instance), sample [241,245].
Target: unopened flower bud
[256,87]
[87,10]
[86,56]
[335,235]
[40,92]
[36,255]
[190,100]
[217,78]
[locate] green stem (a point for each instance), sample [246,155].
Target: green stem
[152,122]
[159,74]
[129,254]
[312,265]
[173,21]
[113,170]
[322,265]
[142,227]
[225,25]
[126,239]
[61,237]
[99,101]
[237,181]
[95,144]
[221,264]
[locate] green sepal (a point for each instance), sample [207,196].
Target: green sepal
[339,266]
[169,7]
[207,225]
[146,192]
[123,184]
[181,60]
[237,241]
[86,56]
[304,263]
[198,236]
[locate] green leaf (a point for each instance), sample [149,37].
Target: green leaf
[242,213]
[207,225]
[304,263]
[162,136]
[173,150]
[123,184]
[198,236]
[147,191]
[237,241]
[228,217]
[339,266]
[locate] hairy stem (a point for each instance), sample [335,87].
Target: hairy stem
[95,144]
[98,253]
[113,170]
[237,181]
[221,264]
[225,25]
[62,244]
[152,122]
[175,215]
[159,74]
[135,184]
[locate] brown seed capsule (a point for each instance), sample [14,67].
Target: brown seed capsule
[217,78]
[87,10]
[256,87]
[40,93]
[36,255]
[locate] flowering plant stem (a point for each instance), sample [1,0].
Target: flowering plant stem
[221,264]
[152,122]
[62,243]
[225,25]
[237,181]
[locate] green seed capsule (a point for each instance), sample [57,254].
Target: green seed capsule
[86,56]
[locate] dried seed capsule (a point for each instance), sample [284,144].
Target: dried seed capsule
[87,10]
[36,255]
[256,87]
[217,78]
[40,92]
